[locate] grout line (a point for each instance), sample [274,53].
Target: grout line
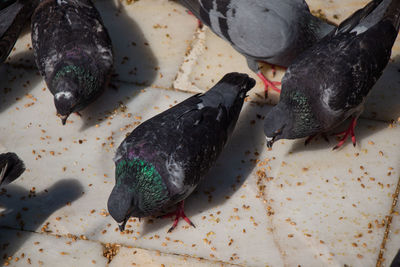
[195,50]
[389,219]
[104,244]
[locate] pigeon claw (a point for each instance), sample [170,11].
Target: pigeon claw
[179,213]
[345,134]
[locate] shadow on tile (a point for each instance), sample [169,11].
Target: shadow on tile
[383,102]
[222,181]
[363,129]
[102,108]
[121,28]
[28,211]
[16,78]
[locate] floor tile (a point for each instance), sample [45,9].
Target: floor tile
[31,249]
[329,207]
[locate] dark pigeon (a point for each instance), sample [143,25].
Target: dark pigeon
[14,14]
[73,52]
[11,167]
[396,260]
[328,83]
[272,31]
[163,160]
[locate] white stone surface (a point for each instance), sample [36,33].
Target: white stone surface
[31,249]
[347,194]
[141,257]
[155,37]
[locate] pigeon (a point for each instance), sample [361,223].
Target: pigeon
[272,31]
[396,260]
[11,167]
[163,160]
[14,14]
[328,83]
[73,52]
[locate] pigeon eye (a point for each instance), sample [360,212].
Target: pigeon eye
[279,131]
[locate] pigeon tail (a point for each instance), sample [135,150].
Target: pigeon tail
[355,19]
[227,90]
[393,13]
[193,6]
[11,167]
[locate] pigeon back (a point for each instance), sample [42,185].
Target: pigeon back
[274,31]
[72,46]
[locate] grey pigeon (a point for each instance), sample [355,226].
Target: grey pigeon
[14,14]
[11,167]
[272,31]
[329,82]
[163,160]
[73,52]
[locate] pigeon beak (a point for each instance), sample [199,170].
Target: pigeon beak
[271,142]
[122,225]
[63,118]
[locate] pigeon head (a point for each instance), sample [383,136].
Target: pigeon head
[291,118]
[277,124]
[139,190]
[65,99]
[121,205]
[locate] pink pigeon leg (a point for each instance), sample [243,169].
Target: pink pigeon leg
[346,133]
[179,213]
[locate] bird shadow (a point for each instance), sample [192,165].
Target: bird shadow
[228,174]
[383,101]
[16,80]
[27,210]
[134,62]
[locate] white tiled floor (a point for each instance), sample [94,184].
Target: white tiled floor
[292,205]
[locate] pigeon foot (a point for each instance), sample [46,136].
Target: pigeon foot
[345,134]
[269,84]
[179,213]
[199,23]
